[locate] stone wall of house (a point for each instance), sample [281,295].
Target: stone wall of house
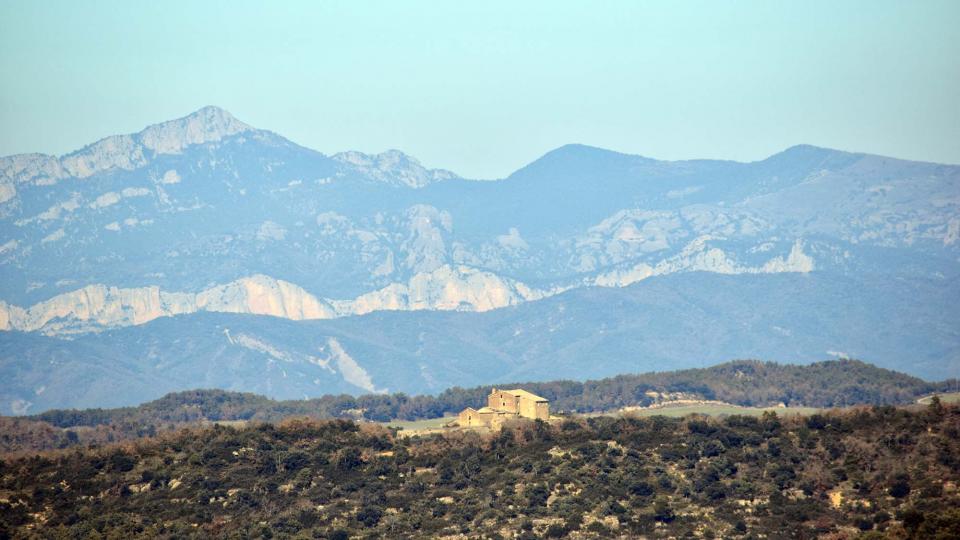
[533,409]
[527,408]
[542,411]
[503,401]
[467,417]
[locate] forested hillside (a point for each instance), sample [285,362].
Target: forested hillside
[750,383]
[861,473]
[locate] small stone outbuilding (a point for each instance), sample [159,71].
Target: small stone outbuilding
[503,405]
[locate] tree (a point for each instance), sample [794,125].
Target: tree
[900,487]
[369,515]
[662,511]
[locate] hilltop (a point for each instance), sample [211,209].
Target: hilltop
[828,384]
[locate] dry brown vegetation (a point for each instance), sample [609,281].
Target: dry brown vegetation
[864,472]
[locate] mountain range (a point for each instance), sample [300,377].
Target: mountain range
[205,252]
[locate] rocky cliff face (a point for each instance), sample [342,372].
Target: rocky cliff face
[698,256]
[209,124]
[680,320]
[97,307]
[393,167]
[446,288]
[126,152]
[206,214]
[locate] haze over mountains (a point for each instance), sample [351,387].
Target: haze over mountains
[204,252]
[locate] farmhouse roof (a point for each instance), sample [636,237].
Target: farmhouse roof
[524,394]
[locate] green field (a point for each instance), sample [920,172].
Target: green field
[713,409]
[231,423]
[952,397]
[430,423]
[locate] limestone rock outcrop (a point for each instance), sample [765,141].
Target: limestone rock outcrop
[98,306]
[127,152]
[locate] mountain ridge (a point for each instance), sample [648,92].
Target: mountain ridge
[104,306]
[253,224]
[208,124]
[672,322]
[211,123]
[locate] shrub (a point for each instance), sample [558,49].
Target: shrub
[369,516]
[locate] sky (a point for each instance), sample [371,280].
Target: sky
[482,88]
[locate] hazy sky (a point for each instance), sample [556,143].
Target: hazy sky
[484,87]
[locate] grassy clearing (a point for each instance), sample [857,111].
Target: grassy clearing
[713,409]
[231,423]
[952,397]
[430,423]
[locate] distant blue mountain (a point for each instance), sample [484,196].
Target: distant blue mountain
[206,215]
[673,322]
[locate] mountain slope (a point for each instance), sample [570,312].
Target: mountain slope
[207,200]
[206,215]
[673,322]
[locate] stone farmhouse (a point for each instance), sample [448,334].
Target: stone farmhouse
[503,405]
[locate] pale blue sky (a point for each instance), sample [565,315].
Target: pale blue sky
[484,87]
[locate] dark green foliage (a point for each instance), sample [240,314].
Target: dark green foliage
[824,384]
[749,383]
[369,516]
[585,478]
[900,487]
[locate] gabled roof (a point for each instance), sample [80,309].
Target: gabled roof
[526,395]
[500,412]
[468,409]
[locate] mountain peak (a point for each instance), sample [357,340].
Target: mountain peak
[586,153]
[208,124]
[579,161]
[804,158]
[806,152]
[211,109]
[127,152]
[578,150]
